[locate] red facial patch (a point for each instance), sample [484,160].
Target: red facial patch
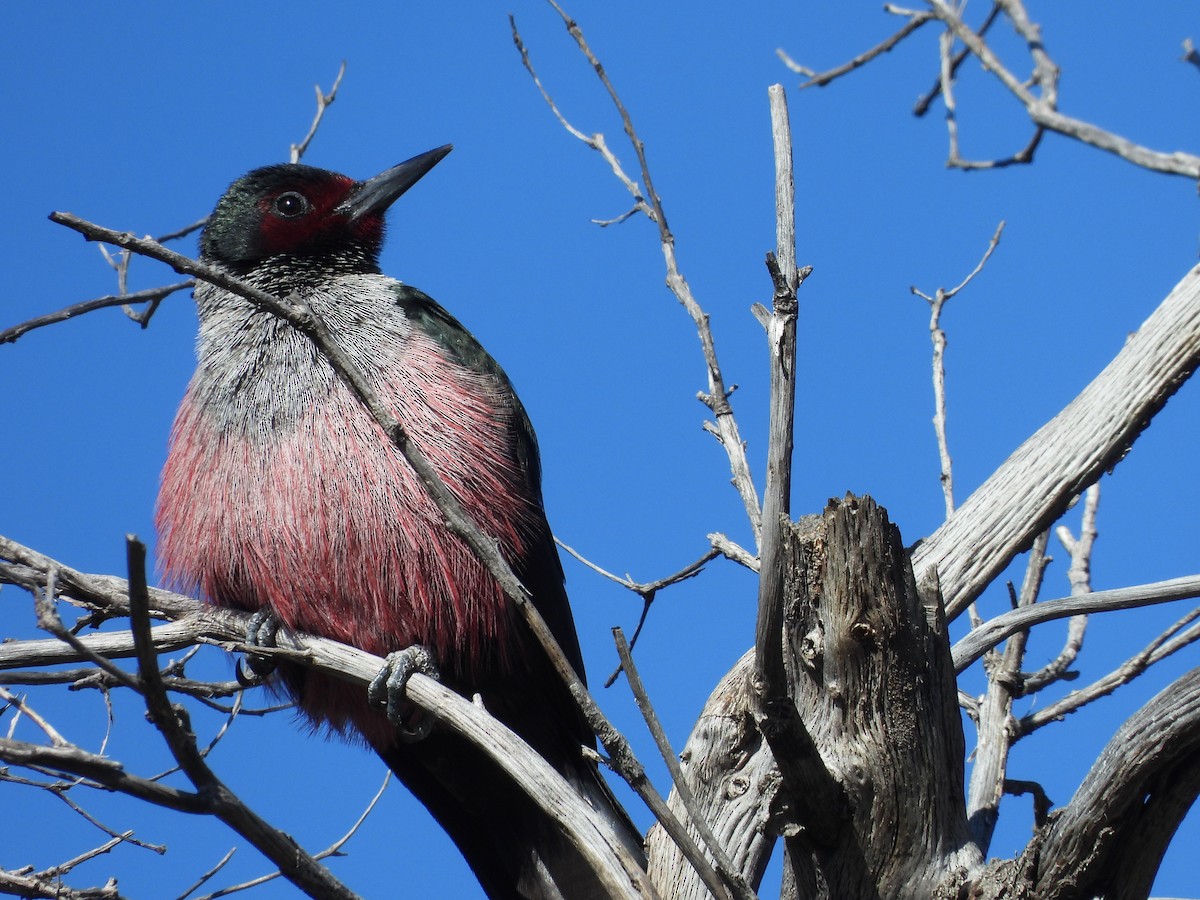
[316,225]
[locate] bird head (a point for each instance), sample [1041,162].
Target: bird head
[299,212]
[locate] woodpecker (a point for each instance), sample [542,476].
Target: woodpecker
[282,495]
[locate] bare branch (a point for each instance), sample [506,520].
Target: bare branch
[60,789]
[734,781]
[528,770]
[1042,109]
[1172,640]
[595,141]
[915,21]
[927,99]
[101,645]
[994,716]
[647,591]
[324,101]
[716,398]
[30,713]
[332,850]
[774,710]
[35,886]
[182,232]
[72,761]
[725,881]
[1080,576]
[733,551]
[1117,825]
[207,876]
[10,335]
[992,632]
[49,620]
[936,304]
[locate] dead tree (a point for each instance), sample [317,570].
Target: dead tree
[840,730]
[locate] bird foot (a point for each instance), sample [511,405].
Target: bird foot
[260,632]
[388,687]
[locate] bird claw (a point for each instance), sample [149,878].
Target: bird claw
[261,631]
[388,687]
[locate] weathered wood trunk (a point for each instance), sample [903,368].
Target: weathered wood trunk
[873,732]
[873,684]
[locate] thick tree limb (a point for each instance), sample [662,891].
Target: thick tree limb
[1110,838]
[1035,485]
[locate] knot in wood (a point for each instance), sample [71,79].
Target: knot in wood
[736,786]
[859,773]
[812,648]
[864,633]
[833,687]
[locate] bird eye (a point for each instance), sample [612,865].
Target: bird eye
[291,205]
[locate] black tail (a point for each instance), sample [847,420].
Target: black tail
[514,850]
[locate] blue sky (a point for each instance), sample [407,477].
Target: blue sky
[139,115]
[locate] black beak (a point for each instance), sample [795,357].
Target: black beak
[378,193]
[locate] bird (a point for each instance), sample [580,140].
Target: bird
[281,495]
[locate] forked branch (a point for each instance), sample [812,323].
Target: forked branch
[724,425]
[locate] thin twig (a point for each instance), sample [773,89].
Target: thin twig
[647,591]
[30,713]
[1080,576]
[151,295]
[126,837]
[333,849]
[64,868]
[936,304]
[324,101]
[647,588]
[915,21]
[716,398]
[1042,110]
[1171,641]
[725,880]
[50,621]
[209,875]
[926,101]
[734,551]
[986,786]
[595,141]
